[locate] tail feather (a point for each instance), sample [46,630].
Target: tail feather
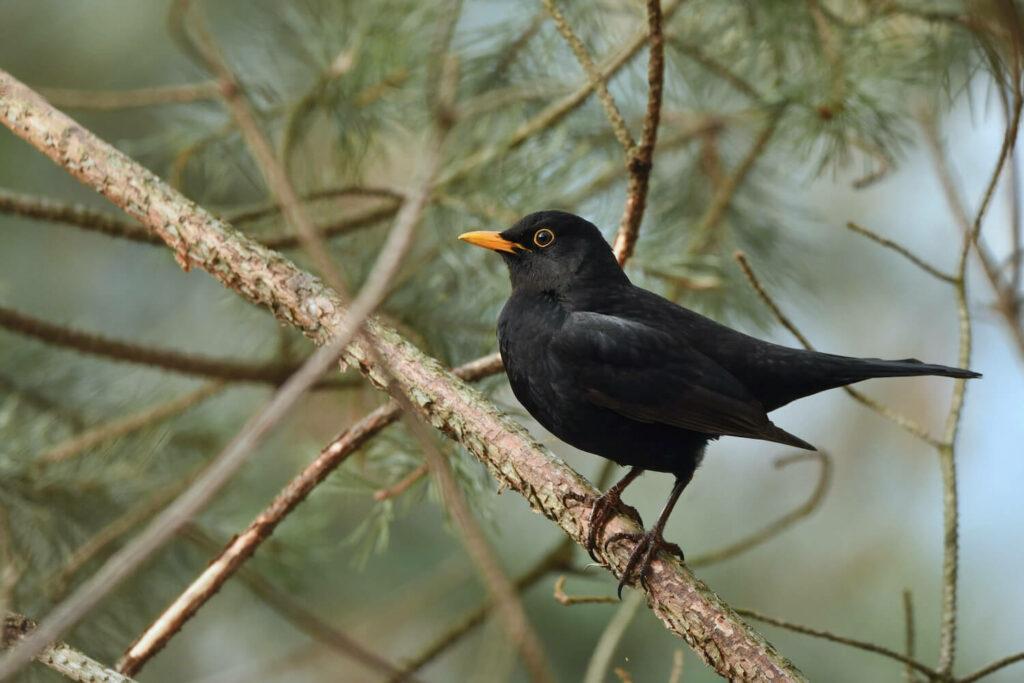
[865,368]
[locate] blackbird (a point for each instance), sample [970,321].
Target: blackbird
[621,372]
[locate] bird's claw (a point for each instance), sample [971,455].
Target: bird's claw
[647,546]
[604,508]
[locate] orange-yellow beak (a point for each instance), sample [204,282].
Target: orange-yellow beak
[489,239]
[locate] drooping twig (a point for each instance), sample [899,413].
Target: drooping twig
[165,359]
[782,523]
[682,602]
[640,159]
[126,425]
[852,642]
[897,418]
[60,657]
[901,250]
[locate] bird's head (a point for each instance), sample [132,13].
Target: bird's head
[552,251]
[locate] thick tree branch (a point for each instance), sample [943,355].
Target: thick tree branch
[683,603]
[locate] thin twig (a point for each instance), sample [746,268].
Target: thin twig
[127,425]
[901,250]
[897,418]
[992,668]
[703,233]
[403,485]
[299,616]
[782,523]
[567,600]
[601,658]
[165,359]
[676,674]
[60,657]
[558,558]
[71,98]
[640,159]
[597,80]
[852,642]
[908,634]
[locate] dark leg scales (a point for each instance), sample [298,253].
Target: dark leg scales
[648,544]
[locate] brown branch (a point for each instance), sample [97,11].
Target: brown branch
[42,208]
[127,425]
[59,656]
[901,250]
[165,359]
[72,98]
[567,600]
[640,159]
[403,485]
[299,616]
[842,640]
[684,604]
[703,233]
[896,417]
[992,668]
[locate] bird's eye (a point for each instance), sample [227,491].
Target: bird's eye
[543,237]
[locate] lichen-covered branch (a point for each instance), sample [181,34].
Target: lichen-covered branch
[685,605]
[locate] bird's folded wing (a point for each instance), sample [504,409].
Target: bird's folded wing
[648,375]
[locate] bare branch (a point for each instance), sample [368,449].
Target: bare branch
[992,668]
[165,359]
[842,640]
[901,250]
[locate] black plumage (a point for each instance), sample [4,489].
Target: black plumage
[619,371]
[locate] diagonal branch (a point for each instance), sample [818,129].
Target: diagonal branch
[684,604]
[60,657]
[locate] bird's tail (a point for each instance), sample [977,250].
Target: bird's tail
[866,368]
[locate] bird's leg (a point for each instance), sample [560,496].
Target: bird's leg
[649,543]
[604,507]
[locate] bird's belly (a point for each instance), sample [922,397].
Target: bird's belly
[561,409]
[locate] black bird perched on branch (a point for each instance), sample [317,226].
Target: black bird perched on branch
[619,371]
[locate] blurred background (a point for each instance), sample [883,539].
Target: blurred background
[813,113]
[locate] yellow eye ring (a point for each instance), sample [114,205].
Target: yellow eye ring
[543,237]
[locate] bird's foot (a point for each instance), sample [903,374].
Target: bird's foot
[647,546]
[602,509]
